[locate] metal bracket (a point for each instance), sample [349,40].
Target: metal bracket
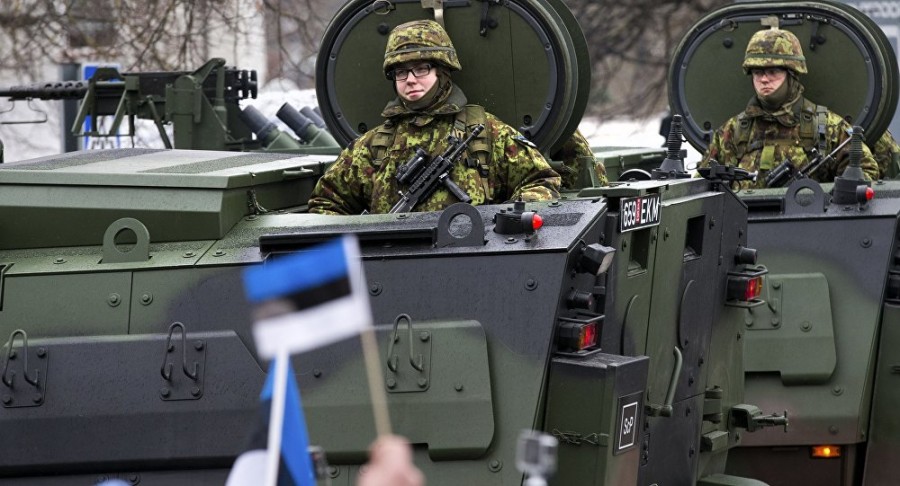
[414,376]
[750,418]
[253,203]
[793,204]
[445,235]
[438,7]
[141,250]
[23,386]
[188,383]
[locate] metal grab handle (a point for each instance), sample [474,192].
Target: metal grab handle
[673,384]
[391,359]
[166,369]
[9,355]
[665,410]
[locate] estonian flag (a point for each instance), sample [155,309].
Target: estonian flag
[309,299]
[295,466]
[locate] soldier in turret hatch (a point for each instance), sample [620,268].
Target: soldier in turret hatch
[499,165]
[779,123]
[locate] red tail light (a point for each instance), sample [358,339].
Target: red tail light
[745,286]
[578,335]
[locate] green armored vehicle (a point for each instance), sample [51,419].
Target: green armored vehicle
[824,346]
[611,327]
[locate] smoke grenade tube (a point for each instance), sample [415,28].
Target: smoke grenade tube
[257,122]
[312,115]
[298,123]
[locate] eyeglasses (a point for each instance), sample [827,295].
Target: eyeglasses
[401,74]
[770,72]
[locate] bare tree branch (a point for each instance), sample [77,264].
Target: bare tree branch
[631,41]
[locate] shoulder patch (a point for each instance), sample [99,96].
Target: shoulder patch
[524,141]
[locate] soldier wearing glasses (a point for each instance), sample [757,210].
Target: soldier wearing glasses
[500,165]
[779,122]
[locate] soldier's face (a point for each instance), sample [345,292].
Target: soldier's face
[414,87]
[766,81]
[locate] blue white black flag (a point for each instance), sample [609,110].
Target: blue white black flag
[295,464]
[309,299]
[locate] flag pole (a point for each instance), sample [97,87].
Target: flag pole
[276,416]
[376,382]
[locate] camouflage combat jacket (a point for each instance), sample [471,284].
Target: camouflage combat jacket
[358,180]
[757,140]
[574,154]
[887,154]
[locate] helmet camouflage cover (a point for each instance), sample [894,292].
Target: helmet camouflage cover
[420,40]
[774,48]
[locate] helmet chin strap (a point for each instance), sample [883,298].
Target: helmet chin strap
[438,6]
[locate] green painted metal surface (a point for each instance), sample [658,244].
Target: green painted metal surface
[795,321]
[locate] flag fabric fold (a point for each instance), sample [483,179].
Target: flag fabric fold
[295,465]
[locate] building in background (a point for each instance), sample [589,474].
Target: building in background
[52,41]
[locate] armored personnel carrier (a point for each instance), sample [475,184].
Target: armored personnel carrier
[612,326]
[823,347]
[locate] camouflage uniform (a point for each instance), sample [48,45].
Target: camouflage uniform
[769,138]
[573,154]
[499,165]
[886,153]
[759,139]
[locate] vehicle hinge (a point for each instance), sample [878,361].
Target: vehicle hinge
[187,382]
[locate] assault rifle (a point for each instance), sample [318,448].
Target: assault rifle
[786,172]
[424,173]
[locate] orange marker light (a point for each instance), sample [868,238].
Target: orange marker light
[825,451]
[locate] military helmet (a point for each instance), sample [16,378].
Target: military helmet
[420,40]
[774,48]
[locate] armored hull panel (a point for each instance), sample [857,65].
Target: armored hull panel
[821,347]
[133,359]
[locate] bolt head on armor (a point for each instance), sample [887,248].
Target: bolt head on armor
[420,41]
[774,48]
